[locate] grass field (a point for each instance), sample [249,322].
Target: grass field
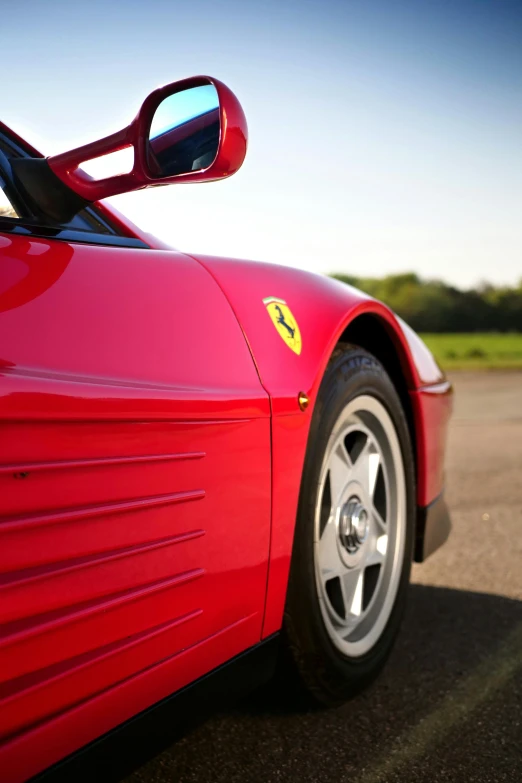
[477,351]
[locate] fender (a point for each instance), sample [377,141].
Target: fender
[323,309]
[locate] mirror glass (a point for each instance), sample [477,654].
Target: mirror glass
[185,130]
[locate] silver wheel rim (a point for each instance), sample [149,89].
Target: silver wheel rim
[360,526]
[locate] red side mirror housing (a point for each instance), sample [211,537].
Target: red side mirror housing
[230,154]
[217,130]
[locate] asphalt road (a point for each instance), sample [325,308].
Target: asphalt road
[448,706]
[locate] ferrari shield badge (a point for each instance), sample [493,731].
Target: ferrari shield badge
[284,322]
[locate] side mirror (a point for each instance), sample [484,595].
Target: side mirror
[185,132]
[192,130]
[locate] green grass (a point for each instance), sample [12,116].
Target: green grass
[477,351]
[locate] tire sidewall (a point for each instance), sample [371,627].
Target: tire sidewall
[352,372]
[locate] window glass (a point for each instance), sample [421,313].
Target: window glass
[6,208]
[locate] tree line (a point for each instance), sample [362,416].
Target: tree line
[434,306]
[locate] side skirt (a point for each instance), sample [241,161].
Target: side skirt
[133,743]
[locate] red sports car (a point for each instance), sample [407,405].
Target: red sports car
[204,462]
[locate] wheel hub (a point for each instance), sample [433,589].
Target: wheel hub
[353,525]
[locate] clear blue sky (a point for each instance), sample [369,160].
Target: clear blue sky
[385,135]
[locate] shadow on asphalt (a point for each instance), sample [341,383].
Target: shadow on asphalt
[447,706]
[445,635]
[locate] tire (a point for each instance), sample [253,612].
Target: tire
[353,542]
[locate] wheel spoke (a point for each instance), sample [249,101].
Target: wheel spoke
[340,467]
[378,539]
[378,523]
[378,554]
[352,589]
[328,554]
[367,467]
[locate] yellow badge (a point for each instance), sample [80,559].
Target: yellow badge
[284,322]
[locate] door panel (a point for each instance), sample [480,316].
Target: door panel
[134,477]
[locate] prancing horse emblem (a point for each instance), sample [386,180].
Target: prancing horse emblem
[281,320]
[284,322]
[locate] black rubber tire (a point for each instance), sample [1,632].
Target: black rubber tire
[327,675]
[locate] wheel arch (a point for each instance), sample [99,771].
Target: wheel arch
[374,334]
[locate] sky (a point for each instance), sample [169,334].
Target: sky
[384,135]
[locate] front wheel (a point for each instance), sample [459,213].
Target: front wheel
[354,532]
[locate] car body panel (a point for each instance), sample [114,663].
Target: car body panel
[44,744]
[135,477]
[323,308]
[432,406]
